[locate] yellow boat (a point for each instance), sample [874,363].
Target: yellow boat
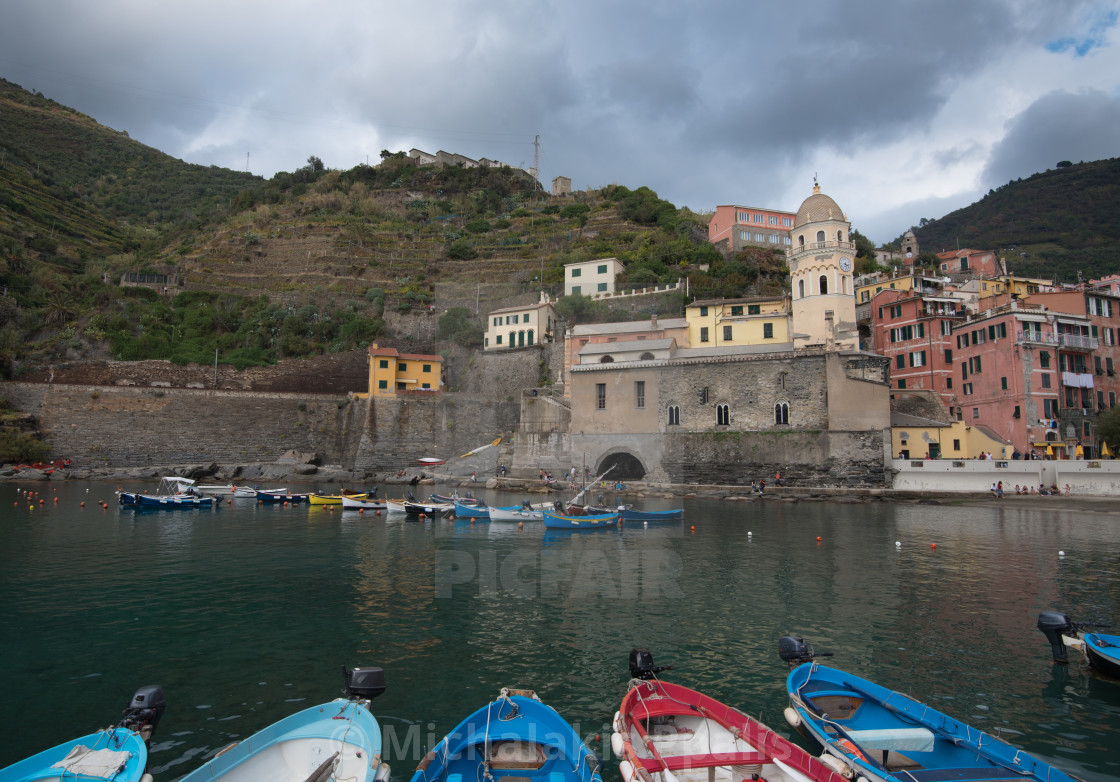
[333,499]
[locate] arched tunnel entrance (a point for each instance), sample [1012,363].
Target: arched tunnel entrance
[626,467]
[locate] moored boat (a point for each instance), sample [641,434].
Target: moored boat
[872,732]
[629,514]
[478,511]
[337,740]
[280,495]
[665,732]
[428,508]
[515,738]
[361,502]
[119,753]
[212,489]
[1101,651]
[517,514]
[600,521]
[317,498]
[172,492]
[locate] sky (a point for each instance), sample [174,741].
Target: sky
[901,109]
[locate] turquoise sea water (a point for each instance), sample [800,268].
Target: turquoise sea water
[247,613]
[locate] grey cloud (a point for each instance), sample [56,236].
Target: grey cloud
[1058,126]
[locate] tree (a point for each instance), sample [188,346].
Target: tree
[1064,164]
[460,326]
[314,163]
[1108,428]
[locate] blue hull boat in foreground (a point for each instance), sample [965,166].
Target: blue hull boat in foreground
[119,753]
[515,738]
[337,740]
[868,731]
[1101,651]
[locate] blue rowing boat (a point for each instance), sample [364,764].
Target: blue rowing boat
[119,753]
[875,733]
[601,521]
[337,740]
[281,496]
[515,738]
[172,492]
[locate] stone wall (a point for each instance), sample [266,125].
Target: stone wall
[106,426]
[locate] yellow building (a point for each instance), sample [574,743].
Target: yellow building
[914,438]
[392,372]
[867,292]
[737,322]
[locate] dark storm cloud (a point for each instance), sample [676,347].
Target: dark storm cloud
[712,102]
[1058,126]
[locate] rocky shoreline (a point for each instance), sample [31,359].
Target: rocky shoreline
[318,476]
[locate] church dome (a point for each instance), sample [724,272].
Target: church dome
[816,208]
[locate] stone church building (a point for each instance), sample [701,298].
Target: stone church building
[813,407]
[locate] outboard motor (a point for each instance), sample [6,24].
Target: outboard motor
[366,683]
[1054,625]
[794,650]
[559,506]
[526,505]
[144,711]
[642,667]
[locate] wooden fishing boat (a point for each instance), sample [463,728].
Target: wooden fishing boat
[337,740]
[1101,651]
[395,506]
[316,498]
[515,738]
[248,492]
[874,733]
[629,514]
[428,508]
[557,521]
[362,502]
[477,511]
[520,513]
[119,753]
[212,489]
[664,732]
[280,496]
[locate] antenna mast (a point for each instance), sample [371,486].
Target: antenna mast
[536,156]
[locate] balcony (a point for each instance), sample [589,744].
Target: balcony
[1072,341]
[809,247]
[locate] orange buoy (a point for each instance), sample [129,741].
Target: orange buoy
[83,504]
[933,545]
[818,538]
[378,512]
[56,499]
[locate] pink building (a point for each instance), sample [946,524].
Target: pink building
[749,226]
[915,332]
[979,263]
[1017,365]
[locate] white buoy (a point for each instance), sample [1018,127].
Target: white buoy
[616,723]
[898,544]
[616,744]
[627,770]
[749,534]
[1061,553]
[792,717]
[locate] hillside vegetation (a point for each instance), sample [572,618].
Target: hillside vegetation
[1053,224]
[306,262]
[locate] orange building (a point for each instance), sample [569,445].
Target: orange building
[392,372]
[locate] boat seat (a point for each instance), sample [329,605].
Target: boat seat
[516,755]
[915,739]
[959,775]
[683,762]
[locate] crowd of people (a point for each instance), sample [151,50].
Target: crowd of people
[1045,491]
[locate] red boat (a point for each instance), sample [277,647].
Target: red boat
[430,461]
[668,733]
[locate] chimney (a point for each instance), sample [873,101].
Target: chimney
[653,320]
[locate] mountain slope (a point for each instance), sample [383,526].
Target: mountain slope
[1056,223]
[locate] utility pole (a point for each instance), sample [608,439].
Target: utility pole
[537,156]
[246,162]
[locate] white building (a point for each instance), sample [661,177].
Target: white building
[590,277]
[516,327]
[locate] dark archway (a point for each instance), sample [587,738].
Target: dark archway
[626,467]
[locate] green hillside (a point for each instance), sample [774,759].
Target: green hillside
[1053,224]
[303,263]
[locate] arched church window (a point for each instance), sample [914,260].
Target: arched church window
[781,413]
[674,415]
[820,236]
[801,289]
[801,240]
[839,236]
[823,284]
[606,360]
[646,357]
[723,415]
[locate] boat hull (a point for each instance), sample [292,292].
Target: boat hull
[888,737]
[629,514]
[665,729]
[507,516]
[299,745]
[360,503]
[555,521]
[514,737]
[133,757]
[1103,653]
[271,496]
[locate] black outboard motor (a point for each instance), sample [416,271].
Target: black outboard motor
[526,505]
[1054,625]
[365,683]
[144,711]
[642,667]
[558,505]
[794,650]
